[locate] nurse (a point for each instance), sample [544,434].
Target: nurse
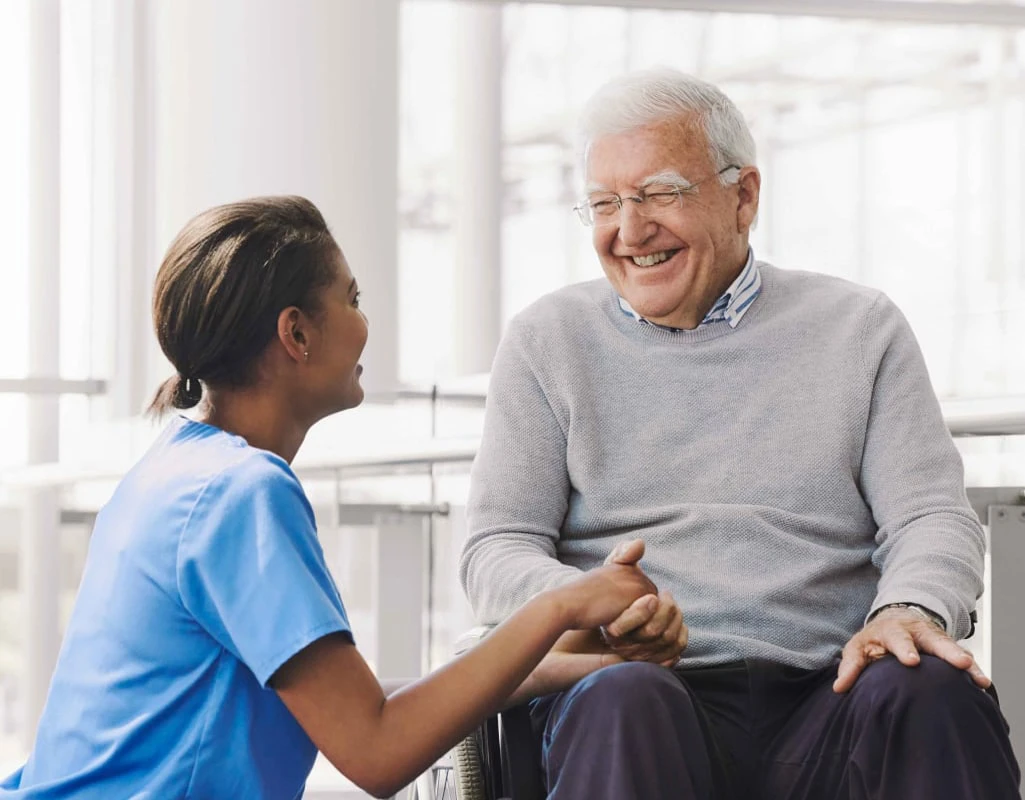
[209,654]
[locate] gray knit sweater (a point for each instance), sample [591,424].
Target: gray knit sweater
[789,475]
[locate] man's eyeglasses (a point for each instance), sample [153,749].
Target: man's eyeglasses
[659,198]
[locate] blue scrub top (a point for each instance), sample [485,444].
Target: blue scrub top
[204,576]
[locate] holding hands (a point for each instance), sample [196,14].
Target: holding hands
[595,598]
[599,596]
[651,629]
[638,623]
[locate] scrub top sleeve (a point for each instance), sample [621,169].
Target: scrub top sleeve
[250,567]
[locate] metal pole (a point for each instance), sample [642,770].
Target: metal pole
[1007,557]
[999,15]
[39,542]
[130,202]
[478,167]
[400,552]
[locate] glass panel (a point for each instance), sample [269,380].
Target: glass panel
[891,155]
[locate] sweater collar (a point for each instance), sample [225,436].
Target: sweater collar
[731,305]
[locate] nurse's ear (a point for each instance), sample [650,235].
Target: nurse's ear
[292,323]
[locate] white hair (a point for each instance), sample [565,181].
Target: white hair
[650,96]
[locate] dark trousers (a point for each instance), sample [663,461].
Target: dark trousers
[755,730]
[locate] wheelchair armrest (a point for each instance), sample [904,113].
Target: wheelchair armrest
[467,640]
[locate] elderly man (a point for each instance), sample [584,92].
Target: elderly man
[773,437]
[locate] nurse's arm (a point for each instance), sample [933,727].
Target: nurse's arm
[381,744]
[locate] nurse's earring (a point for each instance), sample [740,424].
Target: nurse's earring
[298,338]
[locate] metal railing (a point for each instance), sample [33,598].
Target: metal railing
[401,559]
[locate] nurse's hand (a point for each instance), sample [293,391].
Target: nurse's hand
[602,595]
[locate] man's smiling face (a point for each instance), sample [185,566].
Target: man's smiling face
[673,266]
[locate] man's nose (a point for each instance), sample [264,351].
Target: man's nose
[634,229]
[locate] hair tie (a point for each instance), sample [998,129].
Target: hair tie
[191,389]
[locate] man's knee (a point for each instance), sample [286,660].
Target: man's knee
[887,686]
[932,719]
[639,722]
[633,690]
[630,682]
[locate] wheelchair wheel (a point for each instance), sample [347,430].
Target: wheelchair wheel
[469,770]
[438,783]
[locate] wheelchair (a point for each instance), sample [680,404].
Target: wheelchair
[498,761]
[495,762]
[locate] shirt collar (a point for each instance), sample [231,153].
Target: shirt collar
[731,305]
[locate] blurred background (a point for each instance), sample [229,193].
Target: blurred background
[437,136]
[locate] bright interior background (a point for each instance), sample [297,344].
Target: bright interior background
[892,155]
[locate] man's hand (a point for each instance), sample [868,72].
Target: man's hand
[905,634]
[658,635]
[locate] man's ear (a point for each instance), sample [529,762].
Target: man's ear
[749,187]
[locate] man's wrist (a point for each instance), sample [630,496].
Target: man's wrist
[915,608]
